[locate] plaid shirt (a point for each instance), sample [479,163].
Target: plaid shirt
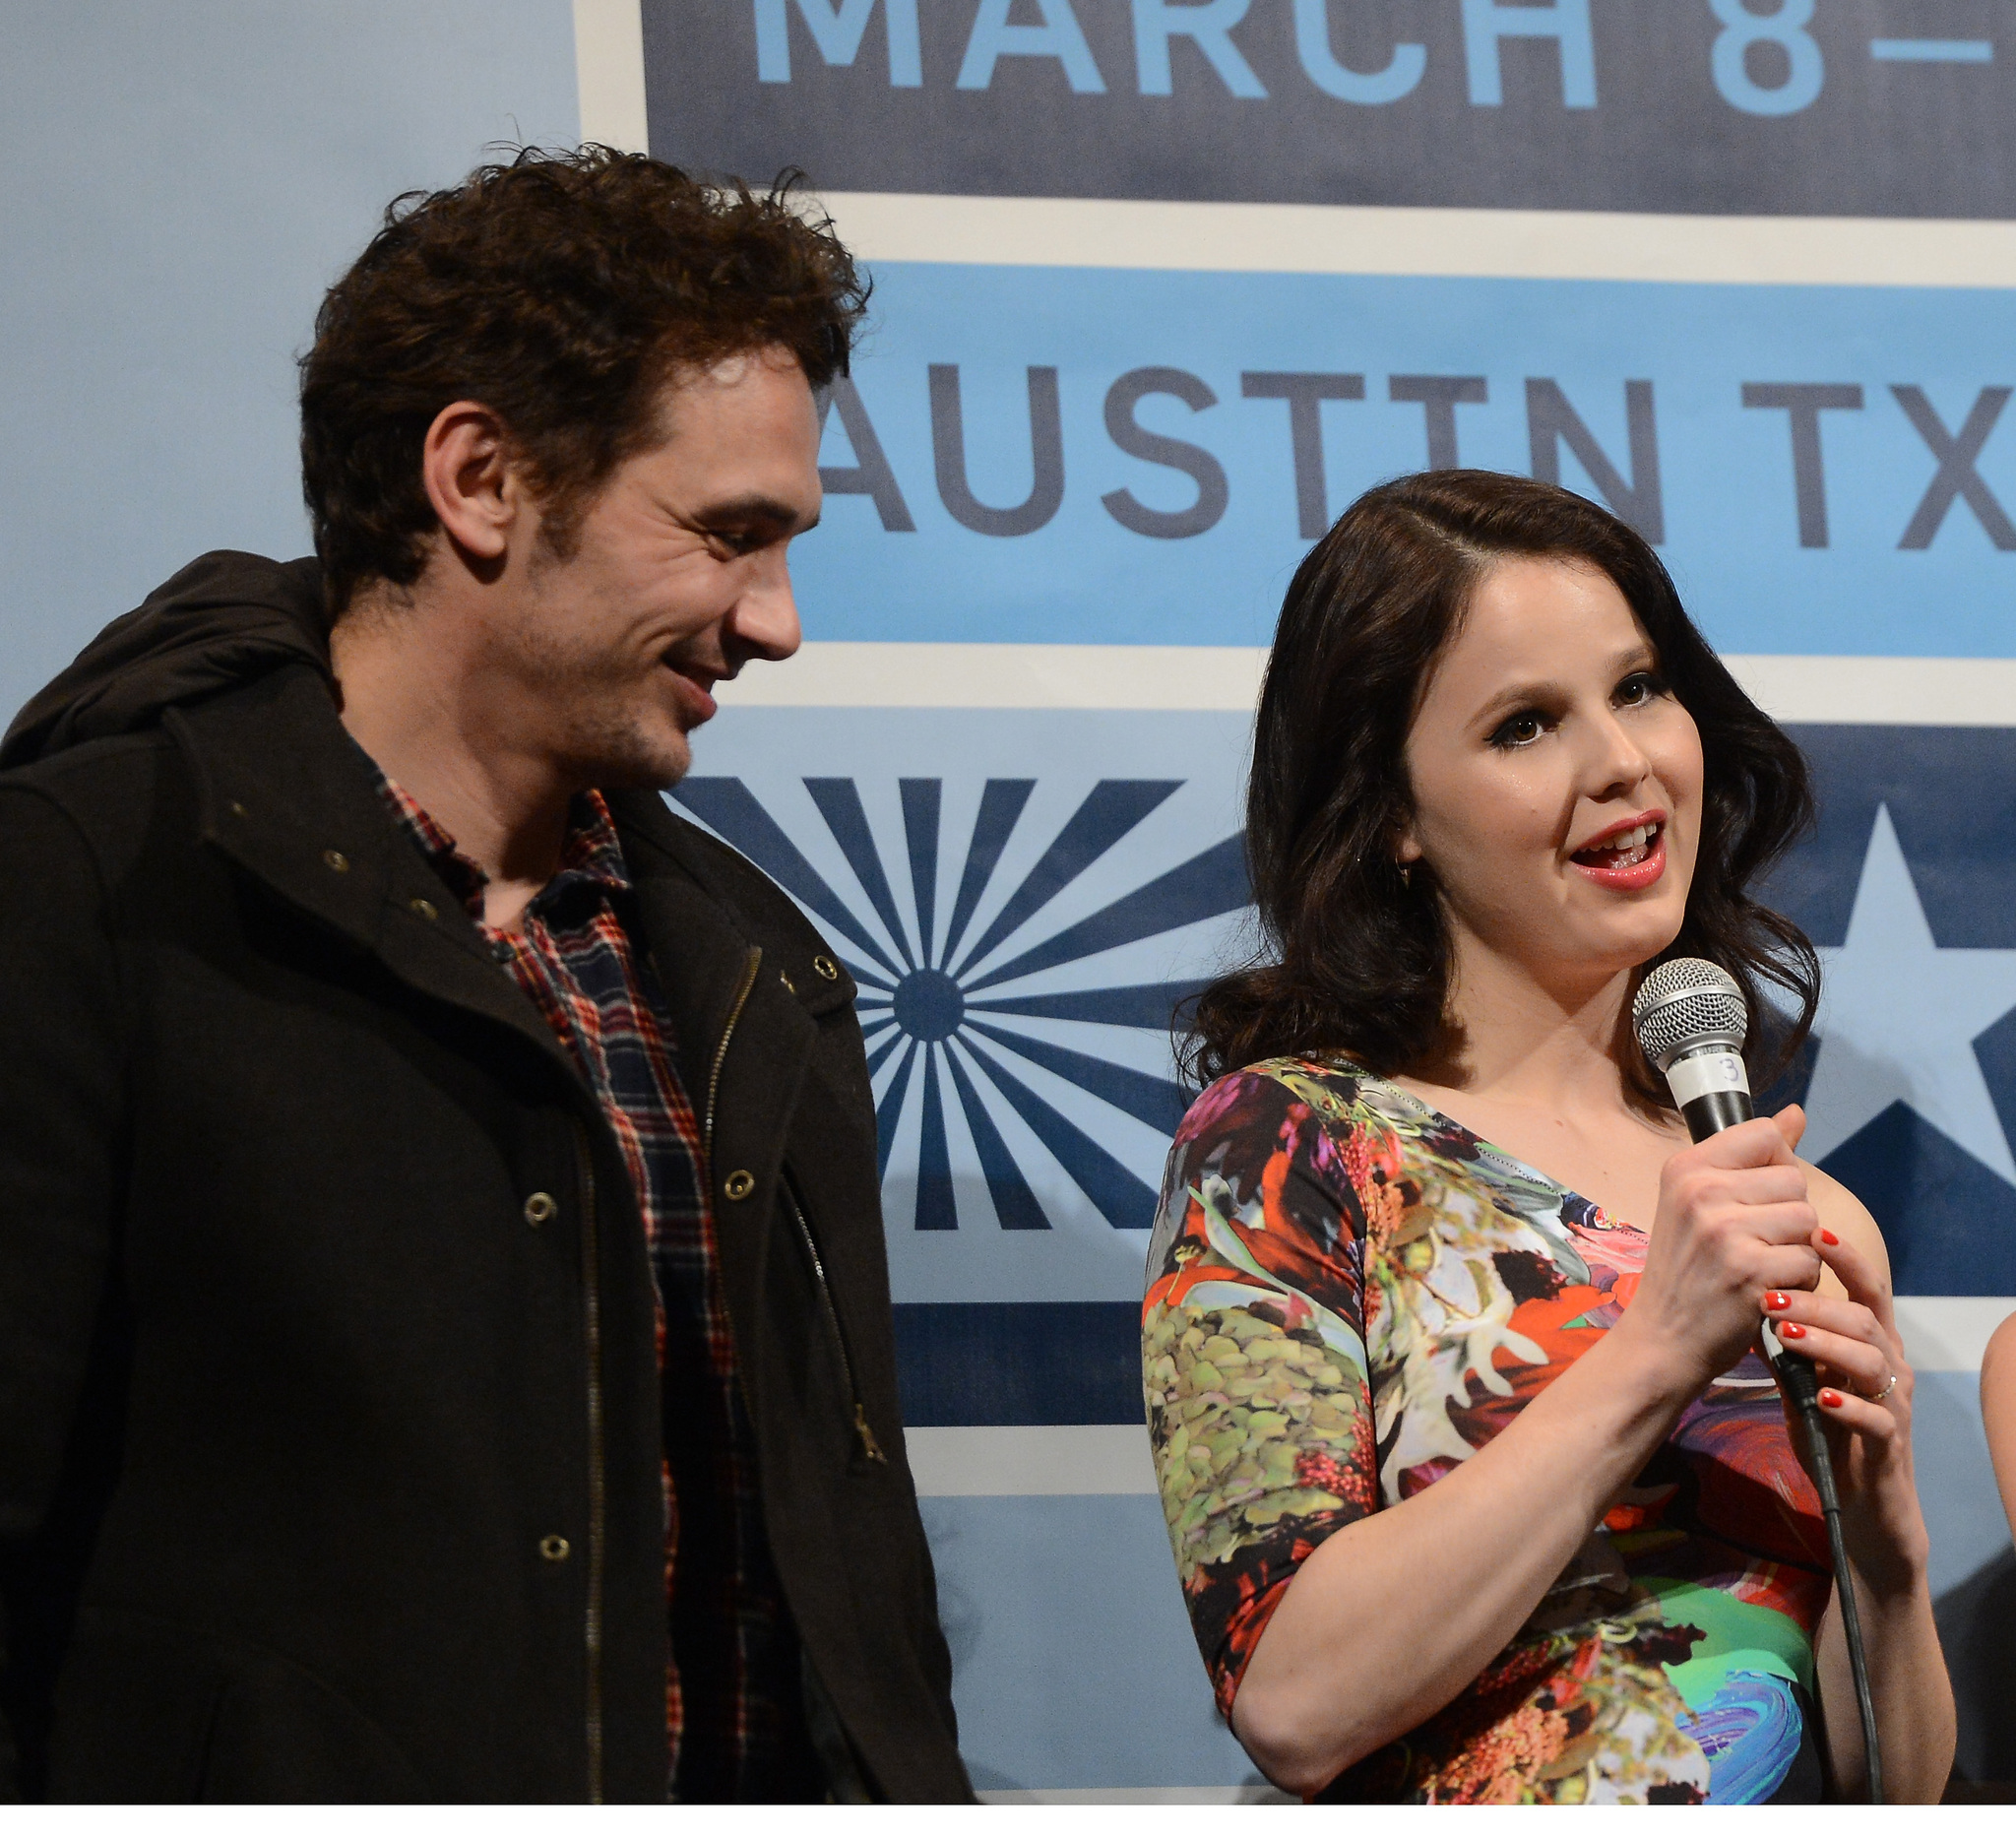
[732,1693]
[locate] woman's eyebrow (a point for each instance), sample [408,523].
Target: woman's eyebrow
[1547,691]
[1516,696]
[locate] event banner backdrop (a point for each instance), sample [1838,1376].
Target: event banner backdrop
[1160,288]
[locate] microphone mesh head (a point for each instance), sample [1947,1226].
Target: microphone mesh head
[1686,1003]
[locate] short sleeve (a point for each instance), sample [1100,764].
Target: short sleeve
[1255,1367]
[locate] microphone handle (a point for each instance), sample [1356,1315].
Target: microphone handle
[1713,1092]
[1715,1111]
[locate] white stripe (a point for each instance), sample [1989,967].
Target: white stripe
[1952,692]
[1934,692]
[836,674]
[1949,1333]
[608,72]
[1383,240]
[1031,1458]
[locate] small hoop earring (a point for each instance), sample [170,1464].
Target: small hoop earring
[1406,874]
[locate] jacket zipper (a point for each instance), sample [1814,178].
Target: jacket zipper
[750,965]
[598,1484]
[863,1433]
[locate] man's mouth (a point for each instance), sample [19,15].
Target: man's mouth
[698,685]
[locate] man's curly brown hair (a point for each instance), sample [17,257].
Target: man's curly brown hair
[562,290]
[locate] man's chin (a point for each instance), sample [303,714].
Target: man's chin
[637,763]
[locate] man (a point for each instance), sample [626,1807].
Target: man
[445,1343]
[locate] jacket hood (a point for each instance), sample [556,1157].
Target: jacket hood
[224,619]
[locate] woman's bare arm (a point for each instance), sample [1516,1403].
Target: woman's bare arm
[1999,1410]
[1388,1620]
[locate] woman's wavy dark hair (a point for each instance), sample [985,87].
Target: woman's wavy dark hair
[1355,961]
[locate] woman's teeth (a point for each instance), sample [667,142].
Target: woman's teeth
[1625,850]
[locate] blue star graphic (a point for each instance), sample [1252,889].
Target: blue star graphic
[1899,1017]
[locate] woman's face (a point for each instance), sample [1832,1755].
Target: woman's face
[1556,781]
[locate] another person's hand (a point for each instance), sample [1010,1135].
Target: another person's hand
[1733,1222]
[1866,1397]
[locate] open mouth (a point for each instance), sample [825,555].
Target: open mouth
[1628,848]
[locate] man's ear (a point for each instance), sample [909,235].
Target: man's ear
[472,479]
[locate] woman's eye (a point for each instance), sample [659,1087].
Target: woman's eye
[1522,730]
[1640,687]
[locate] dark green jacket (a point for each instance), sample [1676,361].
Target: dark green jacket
[324,1301]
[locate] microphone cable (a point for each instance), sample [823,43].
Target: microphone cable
[1803,1385]
[1691,1021]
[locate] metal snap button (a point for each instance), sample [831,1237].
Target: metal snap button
[739,1185]
[423,908]
[335,858]
[540,1208]
[554,1549]
[827,968]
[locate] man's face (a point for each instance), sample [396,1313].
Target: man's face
[676,579]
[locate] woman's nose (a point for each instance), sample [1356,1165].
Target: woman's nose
[1616,762]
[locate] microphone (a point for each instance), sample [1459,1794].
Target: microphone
[1691,1022]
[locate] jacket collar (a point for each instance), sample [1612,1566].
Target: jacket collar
[284,793]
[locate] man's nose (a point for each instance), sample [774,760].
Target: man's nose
[766,617]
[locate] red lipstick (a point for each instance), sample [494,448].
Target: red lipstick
[1628,855]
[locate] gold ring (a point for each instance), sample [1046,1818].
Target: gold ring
[1886,1391]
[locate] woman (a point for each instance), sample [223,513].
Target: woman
[1438,1284]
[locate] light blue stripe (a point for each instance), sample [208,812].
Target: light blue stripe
[1727,484]
[1932,50]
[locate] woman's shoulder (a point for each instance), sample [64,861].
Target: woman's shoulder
[1330,1117]
[1335,1093]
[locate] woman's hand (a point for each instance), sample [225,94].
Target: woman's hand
[1733,1222]
[1865,1400]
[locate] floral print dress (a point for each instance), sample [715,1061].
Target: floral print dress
[1347,1295]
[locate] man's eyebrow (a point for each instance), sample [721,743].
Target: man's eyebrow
[755,509]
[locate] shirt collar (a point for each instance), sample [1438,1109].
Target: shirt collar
[592,852]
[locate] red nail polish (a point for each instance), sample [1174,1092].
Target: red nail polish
[1776,1299]
[1828,1237]
[1830,1398]
[1791,1330]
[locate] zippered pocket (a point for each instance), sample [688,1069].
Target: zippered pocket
[865,1435]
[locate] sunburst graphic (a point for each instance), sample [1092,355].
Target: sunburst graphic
[953,1026]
